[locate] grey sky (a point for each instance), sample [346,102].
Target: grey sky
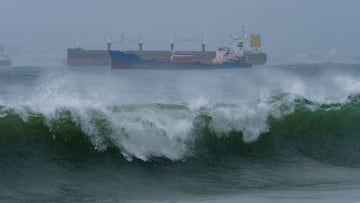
[288,27]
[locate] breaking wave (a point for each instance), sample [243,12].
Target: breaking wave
[285,124]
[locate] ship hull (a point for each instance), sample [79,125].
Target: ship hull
[176,66]
[88,62]
[124,60]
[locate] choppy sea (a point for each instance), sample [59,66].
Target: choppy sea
[274,133]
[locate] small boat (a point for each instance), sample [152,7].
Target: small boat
[4,60]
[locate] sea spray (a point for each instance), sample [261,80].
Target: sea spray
[144,117]
[169,131]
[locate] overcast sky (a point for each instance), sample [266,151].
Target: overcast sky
[287,27]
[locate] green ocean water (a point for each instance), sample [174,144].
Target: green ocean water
[281,133]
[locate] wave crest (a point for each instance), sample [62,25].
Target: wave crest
[177,131]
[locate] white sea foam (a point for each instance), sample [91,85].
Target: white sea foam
[147,116]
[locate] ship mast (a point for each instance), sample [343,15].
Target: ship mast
[109,41]
[172,43]
[203,44]
[122,41]
[140,43]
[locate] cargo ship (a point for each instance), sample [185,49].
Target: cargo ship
[226,57]
[4,60]
[82,57]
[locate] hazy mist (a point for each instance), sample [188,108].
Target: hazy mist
[34,30]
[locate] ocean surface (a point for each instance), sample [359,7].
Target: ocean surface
[274,133]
